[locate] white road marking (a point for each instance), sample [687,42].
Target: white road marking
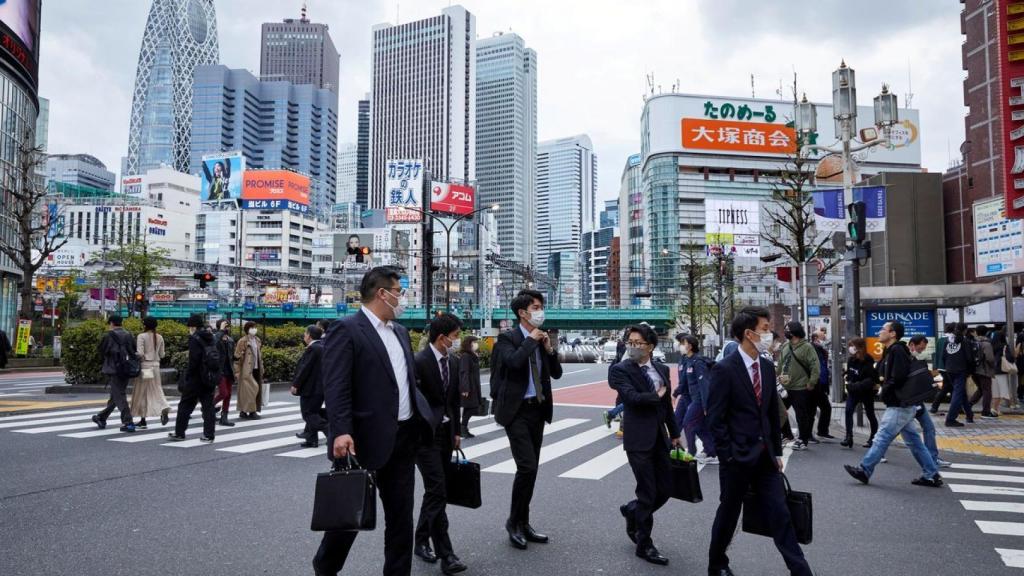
[232,436]
[558,449]
[49,414]
[1012,558]
[291,409]
[991,490]
[599,467]
[1001,528]
[980,506]
[265,445]
[497,444]
[983,477]
[987,467]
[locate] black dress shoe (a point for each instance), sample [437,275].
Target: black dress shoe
[317,571]
[720,572]
[826,435]
[935,482]
[534,536]
[452,565]
[515,536]
[630,522]
[652,555]
[310,444]
[857,472]
[423,552]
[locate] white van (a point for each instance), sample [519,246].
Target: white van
[608,352]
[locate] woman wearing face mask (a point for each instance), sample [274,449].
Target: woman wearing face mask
[469,381]
[682,391]
[697,379]
[861,384]
[249,373]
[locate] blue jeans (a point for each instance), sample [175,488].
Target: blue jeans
[694,426]
[614,412]
[899,421]
[959,400]
[928,431]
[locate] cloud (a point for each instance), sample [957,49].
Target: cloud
[593,59]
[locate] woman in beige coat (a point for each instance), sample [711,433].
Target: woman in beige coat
[148,398]
[249,373]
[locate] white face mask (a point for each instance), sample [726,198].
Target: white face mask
[399,309]
[252,331]
[475,346]
[764,342]
[537,318]
[853,351]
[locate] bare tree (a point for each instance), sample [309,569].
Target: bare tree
[138,267]
[697,308]
[36,232]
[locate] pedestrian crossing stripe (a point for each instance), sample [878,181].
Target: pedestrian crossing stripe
[1001,528]
[82,422]
[980,506]
[984,477]
[282,407]
[988,467]
[556,450]
[990,490]
[1012,558]
[232,436]
[1004,474]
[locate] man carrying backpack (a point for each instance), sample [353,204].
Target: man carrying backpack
[199,381]
[120,364]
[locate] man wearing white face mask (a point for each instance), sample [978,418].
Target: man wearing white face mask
[528,360]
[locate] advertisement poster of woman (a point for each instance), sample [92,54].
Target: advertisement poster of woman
[222,178]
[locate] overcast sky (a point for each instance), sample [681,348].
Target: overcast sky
[593,59]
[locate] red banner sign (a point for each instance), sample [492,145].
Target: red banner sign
[451,198]
[1010,15]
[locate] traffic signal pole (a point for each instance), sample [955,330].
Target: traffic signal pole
[851,273]
[428,247]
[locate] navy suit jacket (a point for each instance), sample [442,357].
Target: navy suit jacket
[647,415]
[428,374]
[361,391]
[513,351]
[741,429]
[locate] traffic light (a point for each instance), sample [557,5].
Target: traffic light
[365,250]
[139,298]
[857,226]
[204,278]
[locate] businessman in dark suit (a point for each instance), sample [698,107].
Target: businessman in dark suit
[744,423]
[306,384]
[375,411]
[528,360]
[651,431]
[437,371]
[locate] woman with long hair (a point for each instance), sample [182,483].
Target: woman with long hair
[861,385]
[148,398]
[249,372]
[469,381]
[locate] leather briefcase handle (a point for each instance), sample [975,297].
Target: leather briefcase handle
[460,453]
[350,463]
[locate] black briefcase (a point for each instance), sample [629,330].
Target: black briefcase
[919,387]
[755,518]
[685,480]
[345,499]
[462,481]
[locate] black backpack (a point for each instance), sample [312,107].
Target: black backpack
[127,363]
[210,368]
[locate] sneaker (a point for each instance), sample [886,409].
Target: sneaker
[709,461]
[798,446]
[942,463]
[935,482]
[100,422]
[884,460]
[607,419]
[989,416]
[206,439]
[700,456]
[141,424]
[814,440]
[955,424]
[127,428]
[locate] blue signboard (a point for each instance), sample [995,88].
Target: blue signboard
[342,307]
[274,205]
[250,306]
[813,310]
[211,305]
[915,321]
[288,306]
[404,282]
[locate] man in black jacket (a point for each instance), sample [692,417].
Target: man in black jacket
[528,361]
[200,380]
[375,409]
[897,419]
[644,386]
[308,386]
[743,418]
[115,342]
[437,372]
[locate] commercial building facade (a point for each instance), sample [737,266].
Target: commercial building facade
[506,141]
[80,170]
[300,52]
[363,153]
[566,197]
[179,36]
[348,168]
[233,110]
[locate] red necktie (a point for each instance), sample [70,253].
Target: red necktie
[756,378]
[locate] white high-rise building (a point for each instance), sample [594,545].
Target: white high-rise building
[566,196]
[423,103]
[506,140]
[348,161]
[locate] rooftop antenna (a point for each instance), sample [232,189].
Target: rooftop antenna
[303,17]
[779,90]
[910,90]
[650,82]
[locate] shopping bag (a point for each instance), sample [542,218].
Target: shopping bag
[462,481]
[345,498]
[756,521]
[685,479]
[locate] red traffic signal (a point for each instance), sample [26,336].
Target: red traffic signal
[139,297]
[365,250]
[204,278]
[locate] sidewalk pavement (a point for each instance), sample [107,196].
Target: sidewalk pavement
[999,438]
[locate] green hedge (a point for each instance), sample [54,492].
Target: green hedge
[81,343]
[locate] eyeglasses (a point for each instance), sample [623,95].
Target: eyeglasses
[635,343]
[401,291]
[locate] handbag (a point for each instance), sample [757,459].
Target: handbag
[685,479]
[919,387]
[756,520]
[147,374]
[345,498]
[462,481]
[1005,365]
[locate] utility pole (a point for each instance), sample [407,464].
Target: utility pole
[428,247]
[103,281]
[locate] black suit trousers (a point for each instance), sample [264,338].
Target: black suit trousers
[651,468]
[314,413]
[525,433]
[766,481]
[189,399]
[396,484]
[433,522]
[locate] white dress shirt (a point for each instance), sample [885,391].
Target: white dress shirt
[386,331]
[653,374]
[442,358]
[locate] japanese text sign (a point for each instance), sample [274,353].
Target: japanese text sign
[403,187]
[451,198]
[1010,36]
[732,136]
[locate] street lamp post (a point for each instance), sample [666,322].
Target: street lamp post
[448,244]
[844,104]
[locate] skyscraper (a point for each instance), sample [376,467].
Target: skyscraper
[363,154]
[300,52]
[423,99]
[178,37]
[347,173]
[234,109]
[566,195]
[506,140]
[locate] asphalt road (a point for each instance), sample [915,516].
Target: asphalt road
[76,502]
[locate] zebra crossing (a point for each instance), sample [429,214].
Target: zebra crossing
[576,448]
[20,385]
[995,494]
